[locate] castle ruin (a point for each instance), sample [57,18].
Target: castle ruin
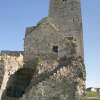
[52,67]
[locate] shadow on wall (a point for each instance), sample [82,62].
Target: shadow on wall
[19,81]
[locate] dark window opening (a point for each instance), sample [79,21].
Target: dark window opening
[55,49]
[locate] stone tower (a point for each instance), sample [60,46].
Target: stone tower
[67,15]
[65,18]
[57,43]
[53,57]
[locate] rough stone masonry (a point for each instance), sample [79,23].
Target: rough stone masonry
[53,61]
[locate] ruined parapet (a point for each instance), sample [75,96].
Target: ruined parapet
[10,62]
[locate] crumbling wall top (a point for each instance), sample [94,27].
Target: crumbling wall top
[11,53]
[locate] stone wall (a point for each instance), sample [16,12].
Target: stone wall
[41,40]
[57,80]
[10,62]
[58,77]
[44,37]
[66,15]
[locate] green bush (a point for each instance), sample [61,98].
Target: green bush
[93,94]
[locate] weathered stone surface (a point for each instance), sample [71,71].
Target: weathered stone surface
[59,77]
[53,66]
[10,62]
[55,38]
[66,15]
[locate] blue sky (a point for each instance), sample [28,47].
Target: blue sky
[16,15]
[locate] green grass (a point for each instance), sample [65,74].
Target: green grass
[93,94]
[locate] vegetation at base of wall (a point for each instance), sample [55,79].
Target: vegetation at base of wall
[93,94]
